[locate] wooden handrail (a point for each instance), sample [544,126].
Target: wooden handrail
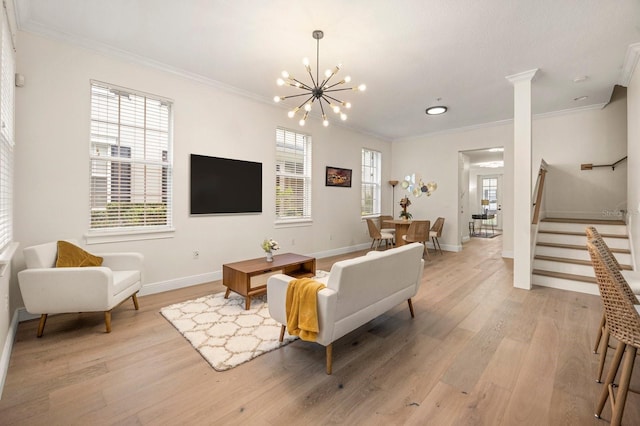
[591,166]
[538,191]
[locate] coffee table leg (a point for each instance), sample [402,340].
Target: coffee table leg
[226,293]
[247,302]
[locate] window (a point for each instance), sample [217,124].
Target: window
[371,179]
[7,141]
[293,175]
[131,171]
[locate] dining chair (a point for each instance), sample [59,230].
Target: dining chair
[436,232]
[418,232]
[633,281]
[391,231]
[623,322]
[377,236]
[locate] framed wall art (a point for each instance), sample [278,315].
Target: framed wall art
[338,177]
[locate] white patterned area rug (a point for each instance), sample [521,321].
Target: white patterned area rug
[224,333]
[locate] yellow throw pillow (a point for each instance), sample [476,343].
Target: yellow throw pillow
[70,255]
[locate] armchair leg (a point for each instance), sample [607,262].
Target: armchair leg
[107,320]
[135,301]
[282,329]
[329,351]
[411,308]
[43,320]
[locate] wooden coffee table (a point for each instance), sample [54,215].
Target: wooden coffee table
[237,276]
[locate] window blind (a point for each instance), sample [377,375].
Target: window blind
[130,155]
[293,175]
[7,138]
[371,180]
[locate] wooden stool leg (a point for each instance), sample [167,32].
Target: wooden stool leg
[135,301]
[329,351]
[603,321]
[43,321]
[603,354]
[617,403]
[107,320]
[611,375]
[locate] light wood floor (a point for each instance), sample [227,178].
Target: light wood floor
[478,352]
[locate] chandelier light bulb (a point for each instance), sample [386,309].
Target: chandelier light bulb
[325,122]
[343,116]
[305,62]
[362,87]
[336,108]
[276,99]
[347,105]
[280,82]
[301,122]
[285,74]
[292,113]
[328,73]
[347,79]
[307,107]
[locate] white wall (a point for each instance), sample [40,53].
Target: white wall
[52,166]
[633,162]
[597,136]
[435,157]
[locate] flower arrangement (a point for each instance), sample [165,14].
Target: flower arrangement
[404,203]
[269,245]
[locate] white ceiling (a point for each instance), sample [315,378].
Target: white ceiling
[409,53]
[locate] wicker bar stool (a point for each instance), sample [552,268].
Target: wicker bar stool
[623,323]
[634,289]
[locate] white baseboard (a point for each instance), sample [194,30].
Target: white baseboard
[507,253]
[174,284]
[7,348]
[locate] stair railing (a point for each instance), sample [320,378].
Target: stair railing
[613,165]
[537,192]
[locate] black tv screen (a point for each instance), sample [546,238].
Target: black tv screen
[223,185]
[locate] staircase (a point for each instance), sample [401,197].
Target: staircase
[561,259]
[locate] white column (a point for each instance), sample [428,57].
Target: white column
[522,190]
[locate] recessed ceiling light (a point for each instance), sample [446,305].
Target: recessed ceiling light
[436,110]
[580,98]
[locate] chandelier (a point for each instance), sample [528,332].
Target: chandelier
[317,90]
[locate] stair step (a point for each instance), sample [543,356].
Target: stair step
[582,234]
[621,243]
[579,247]
[563,275]
[584,221]
[573,261]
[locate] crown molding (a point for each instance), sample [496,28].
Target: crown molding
[522,76]
[629,66]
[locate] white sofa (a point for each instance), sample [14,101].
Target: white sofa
[357,291]
[49,290]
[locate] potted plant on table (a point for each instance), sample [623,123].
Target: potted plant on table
[404,203]
[269,245]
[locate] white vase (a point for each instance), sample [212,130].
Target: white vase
[269,256]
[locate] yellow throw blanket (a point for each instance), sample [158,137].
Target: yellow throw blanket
[302,308]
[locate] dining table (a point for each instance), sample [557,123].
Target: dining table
[401,226]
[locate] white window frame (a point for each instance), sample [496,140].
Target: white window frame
[145,129]
[293,162]
[371,183]
[7,137]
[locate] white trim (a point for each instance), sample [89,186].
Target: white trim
[507,253]
[177,283]
[7,348]
[630,63]
[115,237]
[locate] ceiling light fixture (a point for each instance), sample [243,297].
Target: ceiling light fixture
[436,110]
[317,90]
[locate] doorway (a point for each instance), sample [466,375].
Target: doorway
[480,174]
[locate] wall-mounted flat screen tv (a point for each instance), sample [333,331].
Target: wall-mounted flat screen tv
[223,185]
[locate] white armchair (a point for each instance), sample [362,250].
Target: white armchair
[49,290]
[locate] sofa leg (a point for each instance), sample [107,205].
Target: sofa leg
[329,351]
[43,320]
[411,308]
[107,320]
[135,301]
[282,329]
